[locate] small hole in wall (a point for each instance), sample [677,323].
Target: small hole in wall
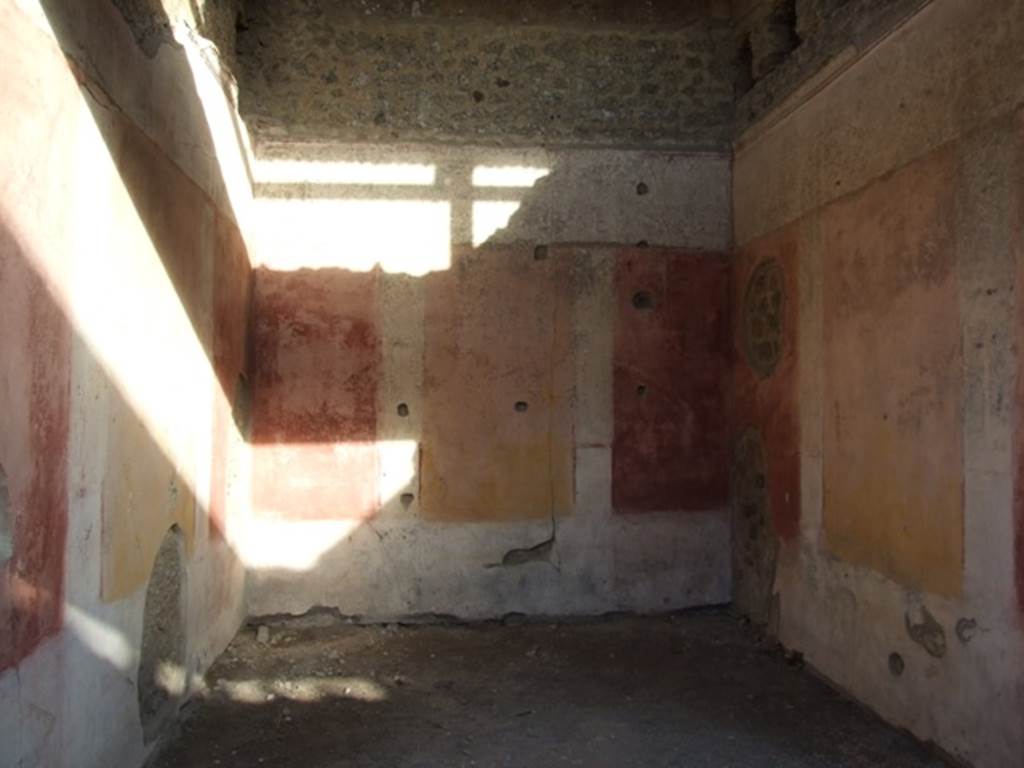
[641,390]
[522,406]
[6,521]
[407,500]
[540,252]
[642,189]
[896,664]
[403,410]
[643,300]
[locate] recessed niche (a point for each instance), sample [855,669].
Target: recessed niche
[403,410]
[522,406]
[6,520]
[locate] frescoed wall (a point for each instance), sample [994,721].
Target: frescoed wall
[488,424]
[889,195]
[671,394]
[120,354]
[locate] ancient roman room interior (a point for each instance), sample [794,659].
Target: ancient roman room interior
[511,383]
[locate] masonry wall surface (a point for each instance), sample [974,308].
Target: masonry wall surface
[479,364]
[893,187]
[124,287]
[604,73]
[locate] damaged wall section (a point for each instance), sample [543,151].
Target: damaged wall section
[890,194]
[501,395]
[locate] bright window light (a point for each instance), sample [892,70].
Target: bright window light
[403,236]
[317,172]
[507,176]
[490,216]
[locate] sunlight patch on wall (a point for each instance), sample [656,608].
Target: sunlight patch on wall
[305,482]
[490,217]
[398,460]
[272,171]
[289,544]
[100,638]
[508,176]
[216,95]
[410,237]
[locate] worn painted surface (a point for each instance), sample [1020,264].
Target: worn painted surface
[35,372]
[895,171]
[1017,217]
[147,496]
[765,418]
[316,366]
[671,363]
[34,396]
[498,385]
[769,403]
[108,245]
[232,293]
[460,372]
[466,332]
[893,372]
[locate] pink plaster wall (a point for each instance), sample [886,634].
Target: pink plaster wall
[316,367]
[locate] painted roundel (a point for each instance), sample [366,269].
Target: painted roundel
[762,317]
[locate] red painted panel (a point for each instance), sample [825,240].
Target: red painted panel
[34,398]
[231,293]
[671,375]
[316,367]
[770,404]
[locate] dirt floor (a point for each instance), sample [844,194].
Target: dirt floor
[697,689]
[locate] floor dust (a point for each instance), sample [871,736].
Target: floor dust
[696,689]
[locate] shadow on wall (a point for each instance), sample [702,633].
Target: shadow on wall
[416,328]
[137,456]
[136,472]
[33,603]
[94,37]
